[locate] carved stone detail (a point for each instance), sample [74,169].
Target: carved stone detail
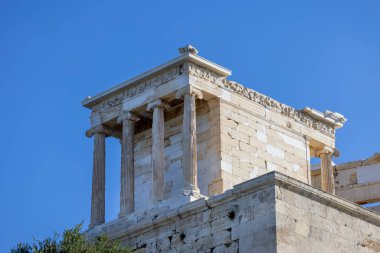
[188,49]
[102,129]
[189,90]
[208,75]
[137,89]
[258,98]
[196,71]
[127,116]
[157,103]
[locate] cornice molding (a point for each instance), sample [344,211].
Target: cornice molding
[99,129]
[180,94]
[157,104]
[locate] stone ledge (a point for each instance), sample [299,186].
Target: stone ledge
[128,227]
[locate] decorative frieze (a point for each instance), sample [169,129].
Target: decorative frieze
[208,75]
[137,89]
[258,98]
[196,71]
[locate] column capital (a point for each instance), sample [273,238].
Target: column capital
[189,90]
[157,103]
[127,116]
[100,129]
[327,151]
[308,138]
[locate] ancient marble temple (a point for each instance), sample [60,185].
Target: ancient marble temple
[207,164]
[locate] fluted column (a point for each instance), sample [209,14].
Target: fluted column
[98,174]
[327,170]
[158,161]
[127,175]
[189,139]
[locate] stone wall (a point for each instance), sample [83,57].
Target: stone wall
[271,213]
[237,221]
[313,221]
[252,146]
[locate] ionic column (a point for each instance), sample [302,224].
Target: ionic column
[327,169]
[98,174]
[158,161]
[189,139]
[127,175]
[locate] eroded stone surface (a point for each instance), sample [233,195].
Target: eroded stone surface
[271,213]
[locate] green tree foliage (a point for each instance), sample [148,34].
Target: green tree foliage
[73,241]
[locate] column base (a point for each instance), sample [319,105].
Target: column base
[192,191]
[187,196]
[122,214]
[94,225]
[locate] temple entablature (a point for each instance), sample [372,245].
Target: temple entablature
[188,132]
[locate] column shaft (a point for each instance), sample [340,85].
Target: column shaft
[98,181]
[189,133]
[127,177]
[327,173]
[158,153]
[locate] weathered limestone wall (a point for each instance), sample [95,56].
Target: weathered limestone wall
[208,147]
[242,220]
[270,213]
[252,146]
[208,169]
[215,229]
[318,222]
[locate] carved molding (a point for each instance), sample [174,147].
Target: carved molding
[259,98]
[127,116]
[100,129]
[137,89]
[189,90]
[280,108]
[157,103]
[196,71]
[328,151]
[188,49]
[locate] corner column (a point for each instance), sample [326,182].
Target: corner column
[189,139]
[327,169]
[158,161]
[98,175]
[127,175]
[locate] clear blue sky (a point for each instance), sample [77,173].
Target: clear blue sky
[322,54]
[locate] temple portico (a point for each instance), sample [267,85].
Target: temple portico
[128,121]
[186,132]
